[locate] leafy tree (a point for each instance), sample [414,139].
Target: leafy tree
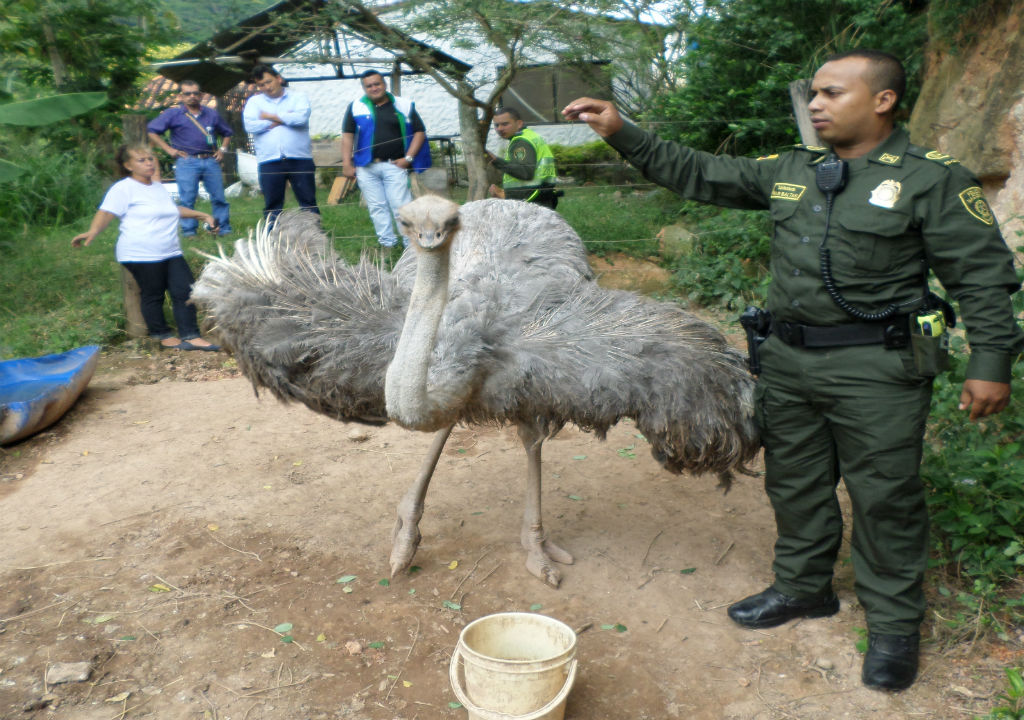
[509,34]
[741,57]
[78,45]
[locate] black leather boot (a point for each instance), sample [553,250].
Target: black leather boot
[771,608]
[891,661]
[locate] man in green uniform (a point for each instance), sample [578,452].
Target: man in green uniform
[528,165]
[841,391]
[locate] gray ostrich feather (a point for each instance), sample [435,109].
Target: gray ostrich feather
[521,333]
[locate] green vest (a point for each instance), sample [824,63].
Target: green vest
[545,172]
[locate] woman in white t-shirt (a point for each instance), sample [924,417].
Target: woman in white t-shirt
[148,246]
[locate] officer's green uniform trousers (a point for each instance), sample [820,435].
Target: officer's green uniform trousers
[855,411]
[858,412]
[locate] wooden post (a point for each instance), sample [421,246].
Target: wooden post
[134,324]
[799,91]
[134,131]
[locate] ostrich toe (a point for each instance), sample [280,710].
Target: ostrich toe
[541,554]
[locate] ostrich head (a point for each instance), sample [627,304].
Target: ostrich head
[430,222]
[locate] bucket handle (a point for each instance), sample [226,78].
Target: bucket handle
[485,714]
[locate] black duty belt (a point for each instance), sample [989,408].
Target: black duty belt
[893,333]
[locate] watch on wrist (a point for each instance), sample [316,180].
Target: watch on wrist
[409,159]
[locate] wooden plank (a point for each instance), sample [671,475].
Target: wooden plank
[341,187]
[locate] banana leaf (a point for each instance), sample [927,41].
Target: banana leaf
[49,110]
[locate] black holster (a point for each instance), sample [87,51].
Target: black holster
[758,325]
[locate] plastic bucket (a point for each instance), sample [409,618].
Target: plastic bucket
[517,666]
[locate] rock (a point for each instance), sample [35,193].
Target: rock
[68,672]
[358,435]
[48,700]
[674,241]
[353,647]
[824,663]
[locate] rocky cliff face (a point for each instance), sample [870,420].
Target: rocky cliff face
[972,107]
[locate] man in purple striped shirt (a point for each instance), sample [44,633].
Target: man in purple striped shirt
[194,130]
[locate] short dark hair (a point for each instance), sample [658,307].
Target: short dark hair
[508,111]
[258,71]
[886,71]
[124,152]
[369,73]
[187,81]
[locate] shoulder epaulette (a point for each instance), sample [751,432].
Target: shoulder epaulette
[933,155]
[817,149]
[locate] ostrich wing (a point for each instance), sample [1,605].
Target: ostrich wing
[304,324]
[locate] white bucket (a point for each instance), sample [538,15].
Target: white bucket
[517,666]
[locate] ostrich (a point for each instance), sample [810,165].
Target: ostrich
[495,318]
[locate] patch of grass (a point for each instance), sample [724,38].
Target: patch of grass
[622,220]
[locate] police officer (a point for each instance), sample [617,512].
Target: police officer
[841,391]
[528,164]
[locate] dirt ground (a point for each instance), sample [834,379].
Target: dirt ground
[171,521]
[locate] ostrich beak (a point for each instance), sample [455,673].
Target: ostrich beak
[429,222]
[434,238]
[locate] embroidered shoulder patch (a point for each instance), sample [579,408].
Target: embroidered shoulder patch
[519,153]
[974,200]
[888,159]
[940,157]
[788,191]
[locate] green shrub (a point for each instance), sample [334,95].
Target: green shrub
[728,263]
[972,472]
[58,187]
[596,162]
[1013,699]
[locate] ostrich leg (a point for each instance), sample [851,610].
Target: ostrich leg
[407,536]
[540,552]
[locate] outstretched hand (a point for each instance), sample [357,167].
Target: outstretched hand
[984,397]
[600,115]
[82,239]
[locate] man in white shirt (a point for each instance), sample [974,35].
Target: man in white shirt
[278,119]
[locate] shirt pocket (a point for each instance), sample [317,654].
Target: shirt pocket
[871,240]
[782,212]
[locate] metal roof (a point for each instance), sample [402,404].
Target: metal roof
[224,60]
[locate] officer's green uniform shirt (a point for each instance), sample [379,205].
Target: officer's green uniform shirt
[902,205]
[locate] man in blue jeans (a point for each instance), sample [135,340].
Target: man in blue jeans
[194,131]
[382,140]
[278,119]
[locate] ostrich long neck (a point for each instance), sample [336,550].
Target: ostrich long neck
[405,385]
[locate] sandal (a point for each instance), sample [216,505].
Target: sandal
[183,345]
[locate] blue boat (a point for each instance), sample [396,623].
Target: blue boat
[36,392]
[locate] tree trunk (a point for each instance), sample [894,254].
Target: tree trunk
[60,71]
[473,152]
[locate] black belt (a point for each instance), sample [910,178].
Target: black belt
[200,155]
[893,333]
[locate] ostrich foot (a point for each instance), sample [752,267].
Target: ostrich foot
[541,554]
[406,540]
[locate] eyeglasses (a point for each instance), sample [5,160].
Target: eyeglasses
[191,92]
